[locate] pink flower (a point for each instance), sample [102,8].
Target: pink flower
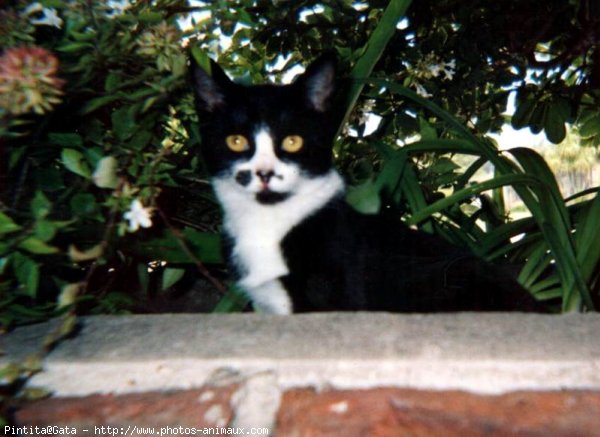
[28,80]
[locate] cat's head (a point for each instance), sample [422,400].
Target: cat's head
[267,139]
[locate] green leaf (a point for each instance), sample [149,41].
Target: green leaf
[235,300]
[93,155]
[139,140]
[441,146]
[83,204]
[522,114]
[74,161]
[51,178]
[427,131]
[7,225]
[123,122]
[65,139]
[538,118]
[553,219]
[536,263]
[99,102]
[112,82]
[443,166]
[590,127]
[470,191]
[563,107]
[15,156]
[40,205]
[27,273]
[392,172]
[587,238]
[171,276]
[150,17]
[555,125]
[44,230]
[535,165]
[399,179]
[37,246]
[74,47]
[575,290]
[364,198]
[201,58]
[203,245]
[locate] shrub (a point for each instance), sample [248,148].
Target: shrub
[104,201]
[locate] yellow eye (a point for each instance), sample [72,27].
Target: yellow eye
[237,143]
[292,143]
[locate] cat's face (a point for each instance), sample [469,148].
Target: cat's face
[265,141]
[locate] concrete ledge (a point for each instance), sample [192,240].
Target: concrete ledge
[482,353]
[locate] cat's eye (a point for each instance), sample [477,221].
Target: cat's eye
[237,143]
[292,143]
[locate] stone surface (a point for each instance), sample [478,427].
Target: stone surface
[398,412]
[478,352]
[322,374]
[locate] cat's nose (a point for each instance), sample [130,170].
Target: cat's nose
[265,175]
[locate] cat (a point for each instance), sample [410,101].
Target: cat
[294,244]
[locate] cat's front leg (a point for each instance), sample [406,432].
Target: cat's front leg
[270,298]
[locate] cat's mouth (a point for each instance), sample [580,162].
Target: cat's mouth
[269,197]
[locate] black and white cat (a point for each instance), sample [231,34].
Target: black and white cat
[294,244]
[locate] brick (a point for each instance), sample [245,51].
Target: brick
[206,407]
[398,412]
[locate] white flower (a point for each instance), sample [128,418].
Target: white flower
[420,89]
[369,105]
[50,17]
[448,68]
[138,215]
[365,110]
[433,69]
[432,66]
[118,7]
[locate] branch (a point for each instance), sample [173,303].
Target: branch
[199,265]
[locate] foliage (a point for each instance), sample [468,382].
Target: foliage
[104,201]
[87,151]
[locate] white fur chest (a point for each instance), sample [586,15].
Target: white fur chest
[257,230]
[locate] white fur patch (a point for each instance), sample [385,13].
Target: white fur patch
[271,298]
[258,229]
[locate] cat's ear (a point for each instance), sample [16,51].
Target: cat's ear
[318,82]
[210,87]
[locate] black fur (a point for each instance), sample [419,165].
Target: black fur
[343,260]
[285,108]
[339,259]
